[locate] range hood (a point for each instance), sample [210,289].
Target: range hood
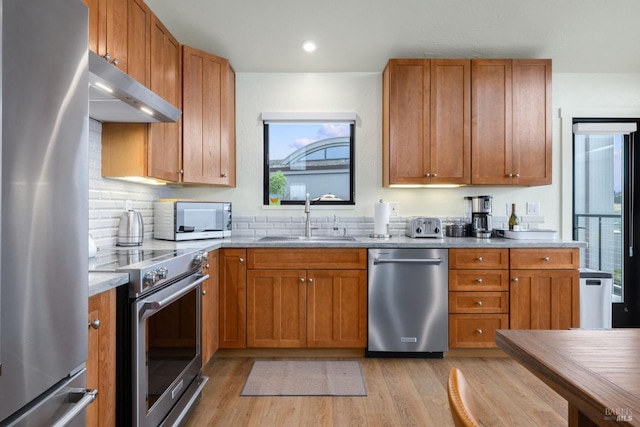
[116,97]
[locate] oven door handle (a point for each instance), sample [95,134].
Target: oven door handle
[173,295]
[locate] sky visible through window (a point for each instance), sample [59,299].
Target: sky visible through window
[285,138]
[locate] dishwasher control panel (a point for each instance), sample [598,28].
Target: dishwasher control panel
[420,226]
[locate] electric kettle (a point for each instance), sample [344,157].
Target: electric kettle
[130,229]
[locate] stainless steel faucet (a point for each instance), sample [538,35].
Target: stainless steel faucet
[307,211]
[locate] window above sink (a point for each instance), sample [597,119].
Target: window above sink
[309,153]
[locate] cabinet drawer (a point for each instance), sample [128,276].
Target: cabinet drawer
[478,258]
[475,330]
[334,259]
[547,259]
[478,280]
[478,302]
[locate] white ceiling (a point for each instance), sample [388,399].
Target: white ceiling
[593,36]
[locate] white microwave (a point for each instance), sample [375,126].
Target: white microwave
[180,220]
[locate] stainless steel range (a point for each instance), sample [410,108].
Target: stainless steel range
[159,332]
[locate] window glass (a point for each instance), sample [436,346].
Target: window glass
[314,157]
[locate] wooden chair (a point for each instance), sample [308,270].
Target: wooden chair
[460,400]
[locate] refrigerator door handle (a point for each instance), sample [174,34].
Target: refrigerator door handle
[83,398]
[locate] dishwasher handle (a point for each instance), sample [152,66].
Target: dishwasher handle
[428,261]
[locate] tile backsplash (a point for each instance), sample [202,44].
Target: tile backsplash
[107,197]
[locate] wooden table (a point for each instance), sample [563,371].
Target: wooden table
[596,371]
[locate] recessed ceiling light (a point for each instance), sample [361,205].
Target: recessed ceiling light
[309,46]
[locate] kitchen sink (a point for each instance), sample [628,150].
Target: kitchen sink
[308,239]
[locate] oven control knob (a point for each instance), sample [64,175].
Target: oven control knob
[436,230]
[418,230]
[200,258]
[150,278]
[162,272]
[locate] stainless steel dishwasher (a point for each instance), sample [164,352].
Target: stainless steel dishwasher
[408,302]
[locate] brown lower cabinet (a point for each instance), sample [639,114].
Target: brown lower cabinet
[101,360]
[521,288]
[232,298]
[301,306]
[210,308]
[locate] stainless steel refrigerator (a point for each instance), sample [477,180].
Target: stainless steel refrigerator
[44,215]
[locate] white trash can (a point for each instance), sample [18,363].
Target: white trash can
[595,299]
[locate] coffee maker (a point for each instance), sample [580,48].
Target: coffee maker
[480,214]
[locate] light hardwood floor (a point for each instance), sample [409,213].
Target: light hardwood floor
[401,392]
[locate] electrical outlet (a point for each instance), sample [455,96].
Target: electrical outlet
[393,208]
[533,208]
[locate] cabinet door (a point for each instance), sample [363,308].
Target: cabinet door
[337,308]
[532,121]
[406,116]
[233,299]
[208,119]
[96,10]
[545,299]
[450,142]
[491,118]
[276,308]
[114,42]
[138,41]
[210,308]
[101,360]
[165,142]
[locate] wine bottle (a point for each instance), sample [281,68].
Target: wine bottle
[513,219]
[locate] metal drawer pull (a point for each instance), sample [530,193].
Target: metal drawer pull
[435,261]
[515,280]
[479,280]
[241,259]
[95,324]
[204,292]
[545,259]
[479,331]
[479,303]
[82,398]
[302,279]
[310,280]
[479,259]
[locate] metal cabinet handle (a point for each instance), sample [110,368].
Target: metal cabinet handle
[479,331]
[204,292]
[310,280]
[81,399]
[206,266]
[517,175]
[241,260]
[515,280]
[223,175]
[435,175]
[95,324]
[510,175]
[479,280]
[302,279]
[546,259]
[427,174]
[479,303]
[181,171]
[479,259]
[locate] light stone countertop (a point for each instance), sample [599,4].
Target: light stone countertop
[100,282]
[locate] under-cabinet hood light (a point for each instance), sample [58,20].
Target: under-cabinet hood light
[146,110]
[309,46]
[141,180]
[104,87]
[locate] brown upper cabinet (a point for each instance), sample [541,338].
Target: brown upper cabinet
[426,121]
[119,31]
[457,121]
[511,121]
[150,150]
[208,88]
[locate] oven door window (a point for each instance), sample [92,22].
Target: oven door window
[172,344]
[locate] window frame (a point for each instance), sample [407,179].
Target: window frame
[302,118]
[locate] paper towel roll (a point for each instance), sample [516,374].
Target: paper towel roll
[381,218]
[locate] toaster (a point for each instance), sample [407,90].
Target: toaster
[420,226]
